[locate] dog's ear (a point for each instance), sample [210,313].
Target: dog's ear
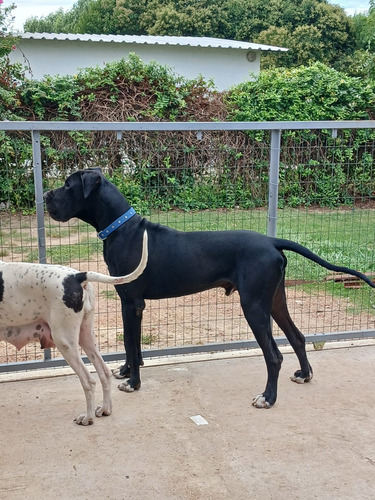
[91,180]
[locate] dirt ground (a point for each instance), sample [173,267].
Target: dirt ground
[316,443]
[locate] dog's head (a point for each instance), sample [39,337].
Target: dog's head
[73,198]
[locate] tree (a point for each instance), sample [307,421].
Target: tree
[364,28]
[361,62]
[313,29]
[7,40]
[56,22]
[10,74]
[96,17]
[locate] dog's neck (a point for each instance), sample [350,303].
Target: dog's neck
[107,202]
[116,224]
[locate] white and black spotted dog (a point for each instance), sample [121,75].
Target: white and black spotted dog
[55,305]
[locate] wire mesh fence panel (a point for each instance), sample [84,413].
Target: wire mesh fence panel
[178,180]
[327,199]
[18,229]
[210,180]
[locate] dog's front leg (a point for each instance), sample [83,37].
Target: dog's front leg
[132,318]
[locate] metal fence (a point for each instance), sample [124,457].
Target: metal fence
[312,182]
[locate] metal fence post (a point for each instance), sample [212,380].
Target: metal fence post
[273,183]
[38,186]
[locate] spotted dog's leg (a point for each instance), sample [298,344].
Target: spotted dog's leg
[68,346]
[88,343]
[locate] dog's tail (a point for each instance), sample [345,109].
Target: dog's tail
[119,280]
[281,244]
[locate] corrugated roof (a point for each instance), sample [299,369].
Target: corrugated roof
[155,40]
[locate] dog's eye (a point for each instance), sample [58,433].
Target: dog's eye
[67,184]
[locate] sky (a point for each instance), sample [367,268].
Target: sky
[40,8]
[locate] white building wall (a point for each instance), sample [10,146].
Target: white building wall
[226,66]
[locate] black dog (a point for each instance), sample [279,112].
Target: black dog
[182,263]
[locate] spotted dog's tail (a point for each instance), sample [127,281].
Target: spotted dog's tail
[119,280]
[281,244]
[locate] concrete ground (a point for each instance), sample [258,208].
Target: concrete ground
[318,442]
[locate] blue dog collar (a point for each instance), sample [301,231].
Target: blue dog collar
[117,223]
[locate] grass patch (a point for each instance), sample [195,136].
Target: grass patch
[110,294]
[31,256]
[65,254]
[148,339]
[345,238]
[59,231]
[17,236]
[213,220]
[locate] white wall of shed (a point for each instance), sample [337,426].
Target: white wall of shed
[226,67]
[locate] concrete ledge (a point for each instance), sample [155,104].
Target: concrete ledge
[171,360]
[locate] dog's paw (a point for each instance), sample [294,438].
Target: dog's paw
[129,386]
[103,410]
[120,373]
[261,402]
[126,387]
[84,419]
[299,379]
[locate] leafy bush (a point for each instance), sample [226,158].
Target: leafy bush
[330,170]
[16,176]
[181,170]
[309,93]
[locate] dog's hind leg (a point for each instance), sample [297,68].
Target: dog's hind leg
[68,346]
[257,314]
[88,343]
[282,317]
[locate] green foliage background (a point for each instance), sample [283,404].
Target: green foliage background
[169,170]
[221,169]
[313,30]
